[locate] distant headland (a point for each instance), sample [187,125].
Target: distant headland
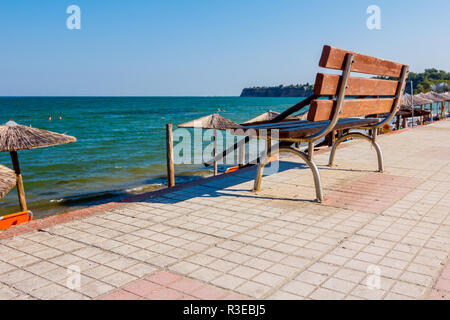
[298,90]
[432,79]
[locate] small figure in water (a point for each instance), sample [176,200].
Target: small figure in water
[60,118]
[49,118]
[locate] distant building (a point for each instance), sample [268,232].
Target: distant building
[440,87]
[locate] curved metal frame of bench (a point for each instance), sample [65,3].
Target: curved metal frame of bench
[303,156]
[358,135]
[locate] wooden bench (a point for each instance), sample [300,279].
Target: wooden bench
[340,102]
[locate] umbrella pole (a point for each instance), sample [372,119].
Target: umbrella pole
[19,183]
[431,113]
[169,156]
[421,118]
[215,152]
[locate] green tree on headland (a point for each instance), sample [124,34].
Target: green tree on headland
[431,79]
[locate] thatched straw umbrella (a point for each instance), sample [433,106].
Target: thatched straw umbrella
[408,104]
[270,115]
[267,116]
[441,96]
[437,98]
[214,121]
[415,100]
[446,97]
[7,180]
[15,137]
[425,101]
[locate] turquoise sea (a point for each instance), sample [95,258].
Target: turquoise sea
[120,148]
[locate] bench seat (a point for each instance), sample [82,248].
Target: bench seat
[296,130]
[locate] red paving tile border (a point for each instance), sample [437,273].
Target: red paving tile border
[374,193]
[209,292]
[439,295]
[163,278]
[142,288]
[168,286]
[441,289]
[165,294]
[186,285]
[446,273]
[443,284]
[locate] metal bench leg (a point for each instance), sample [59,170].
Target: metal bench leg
[360,136]
[303,156]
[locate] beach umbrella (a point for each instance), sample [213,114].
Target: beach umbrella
[406,108]
[428,96]
[435,97]
[423,102]
[446,95]
[408,103]
[214,121]
[15,137]
[7,180]
[415,100]
[270,115]
[266,116]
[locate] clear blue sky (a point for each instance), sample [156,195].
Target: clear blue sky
[203,47]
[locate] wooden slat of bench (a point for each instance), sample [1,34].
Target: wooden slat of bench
[321,109]
[311,128]
[328,84]
[334,58]
[291,124]
[291,133]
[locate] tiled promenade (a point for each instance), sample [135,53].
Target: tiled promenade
[377,236]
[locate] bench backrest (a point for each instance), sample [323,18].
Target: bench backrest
[368,95]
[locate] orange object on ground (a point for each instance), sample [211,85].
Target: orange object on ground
[232,169]
[14,219]
[386,128]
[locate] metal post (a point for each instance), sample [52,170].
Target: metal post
[310,150]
